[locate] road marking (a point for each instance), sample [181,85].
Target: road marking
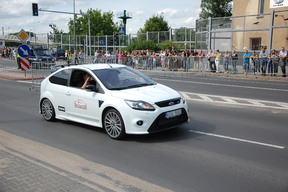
[225,85]
[234,101]
[238,139]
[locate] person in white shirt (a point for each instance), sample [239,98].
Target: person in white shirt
[162,56]
[283,55]
[211,60]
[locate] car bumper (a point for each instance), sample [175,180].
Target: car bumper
[140,122]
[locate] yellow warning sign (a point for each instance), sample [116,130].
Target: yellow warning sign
[22,35]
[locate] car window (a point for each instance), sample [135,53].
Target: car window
[42,52]
[122,78]
[61,77]
[77,78]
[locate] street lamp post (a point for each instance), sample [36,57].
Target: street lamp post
[124,17]
[74,26]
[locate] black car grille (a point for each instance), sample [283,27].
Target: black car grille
[161,123]
[168,103]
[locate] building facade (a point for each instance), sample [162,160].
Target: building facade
[259,23]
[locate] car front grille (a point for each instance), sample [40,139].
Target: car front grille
[161,123]
[168,103]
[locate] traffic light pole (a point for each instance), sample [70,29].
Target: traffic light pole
[89,30]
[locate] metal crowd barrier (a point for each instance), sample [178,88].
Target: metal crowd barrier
[172,63]
[39,70]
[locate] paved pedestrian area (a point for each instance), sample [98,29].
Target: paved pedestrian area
[20,175]
[28,166]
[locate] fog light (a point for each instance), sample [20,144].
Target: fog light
[139,123]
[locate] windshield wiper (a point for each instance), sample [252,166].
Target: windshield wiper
[140,85]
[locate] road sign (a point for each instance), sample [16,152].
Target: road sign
[24,50]
[2,44]
[25,64]
[102,42]
[121,30]
[22,35]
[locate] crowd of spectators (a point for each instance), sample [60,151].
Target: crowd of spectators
[8,53]
[262,63]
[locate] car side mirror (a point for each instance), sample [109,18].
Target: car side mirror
[92,88]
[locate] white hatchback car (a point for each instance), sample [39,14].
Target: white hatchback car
[115,97]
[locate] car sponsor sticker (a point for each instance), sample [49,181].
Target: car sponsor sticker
[80,104]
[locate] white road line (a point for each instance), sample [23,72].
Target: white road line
[224,85]
[235,101]
[237,139]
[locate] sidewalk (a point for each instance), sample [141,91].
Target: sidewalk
[18,174]
[30,166]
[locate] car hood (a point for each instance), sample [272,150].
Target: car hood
[150,94]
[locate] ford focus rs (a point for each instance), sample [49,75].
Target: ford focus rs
[114,97]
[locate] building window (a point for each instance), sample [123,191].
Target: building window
[255,43]
[261,6]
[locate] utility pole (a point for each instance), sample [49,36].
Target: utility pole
[74,25]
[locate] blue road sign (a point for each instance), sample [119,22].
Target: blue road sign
[24,50]
[121,30]
[102,42]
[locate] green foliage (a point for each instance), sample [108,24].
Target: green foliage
[156,23]
[55,29]
[150,45]
[165,45]
[179,34]
[100,23]
[142,45]
[212,8]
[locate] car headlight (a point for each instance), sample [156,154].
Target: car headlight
[182,97]
[140,105]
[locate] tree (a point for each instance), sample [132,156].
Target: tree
[156,23]
[55,29]
[212,8]
[184,34]
[100,24]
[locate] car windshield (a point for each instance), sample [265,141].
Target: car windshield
[41,52]
[122,78]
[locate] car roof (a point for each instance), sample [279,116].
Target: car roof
[91,66]
[97,66]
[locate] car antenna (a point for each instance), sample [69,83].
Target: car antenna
[109,65]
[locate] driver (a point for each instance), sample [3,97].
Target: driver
[86,78]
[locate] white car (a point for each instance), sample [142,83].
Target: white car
[117,98]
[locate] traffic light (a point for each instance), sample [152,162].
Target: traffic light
[35,9]
[115,38]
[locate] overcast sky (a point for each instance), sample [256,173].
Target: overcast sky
[17,14]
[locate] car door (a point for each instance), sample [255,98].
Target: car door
[57,89]
[82,105]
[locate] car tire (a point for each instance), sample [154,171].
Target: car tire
[114,124]
[47,110]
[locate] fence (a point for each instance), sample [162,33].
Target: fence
[192,64]
[248,31]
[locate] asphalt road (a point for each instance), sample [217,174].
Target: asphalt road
[226,147]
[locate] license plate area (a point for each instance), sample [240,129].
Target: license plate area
[171,114]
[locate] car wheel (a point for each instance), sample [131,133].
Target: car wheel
[47,109]
[113,124]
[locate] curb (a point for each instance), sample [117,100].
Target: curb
[18,76]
